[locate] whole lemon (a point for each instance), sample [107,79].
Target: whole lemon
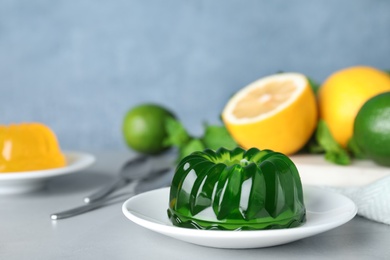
[372,129]
[342,95]
[144,128]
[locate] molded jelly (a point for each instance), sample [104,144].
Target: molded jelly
[29,147]
[236,190]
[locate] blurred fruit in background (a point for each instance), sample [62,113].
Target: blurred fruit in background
[342,95]
[278,112]
[281,113]
[144,128]
[372,129]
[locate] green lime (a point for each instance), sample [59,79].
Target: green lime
[144,128]
[372,129]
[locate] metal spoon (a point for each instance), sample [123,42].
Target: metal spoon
[103,201]
[140,168]
[133,169]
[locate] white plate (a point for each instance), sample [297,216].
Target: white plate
[325,210]
[315,170]
[21,182]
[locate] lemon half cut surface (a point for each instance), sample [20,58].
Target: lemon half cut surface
[277,112]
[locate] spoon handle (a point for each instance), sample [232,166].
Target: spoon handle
[77,211]
[106,190]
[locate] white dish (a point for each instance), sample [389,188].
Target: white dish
[315,170]
[325,210]
[21,182]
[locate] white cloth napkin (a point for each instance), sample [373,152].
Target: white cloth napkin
[372,200]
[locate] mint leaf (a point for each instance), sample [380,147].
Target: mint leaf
[333,151]
[314,85]
[312,146]
[190,147]
[179,137]
[177,134]
[216,137]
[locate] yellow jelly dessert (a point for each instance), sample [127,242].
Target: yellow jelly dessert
[29,147]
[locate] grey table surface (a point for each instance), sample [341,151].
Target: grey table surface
[27,232]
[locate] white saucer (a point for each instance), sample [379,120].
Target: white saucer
[325,210]
[315,170]
[21,182]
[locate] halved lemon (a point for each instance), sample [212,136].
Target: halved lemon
[278,112]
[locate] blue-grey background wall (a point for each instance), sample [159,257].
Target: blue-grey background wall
[78,66]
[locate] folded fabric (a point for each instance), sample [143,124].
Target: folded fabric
[372,200]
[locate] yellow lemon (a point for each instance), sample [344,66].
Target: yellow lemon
[344,93]
[278,112]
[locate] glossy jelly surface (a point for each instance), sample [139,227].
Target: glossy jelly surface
[236,190]
[29,147]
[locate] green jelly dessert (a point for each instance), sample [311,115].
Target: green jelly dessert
[236,190]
